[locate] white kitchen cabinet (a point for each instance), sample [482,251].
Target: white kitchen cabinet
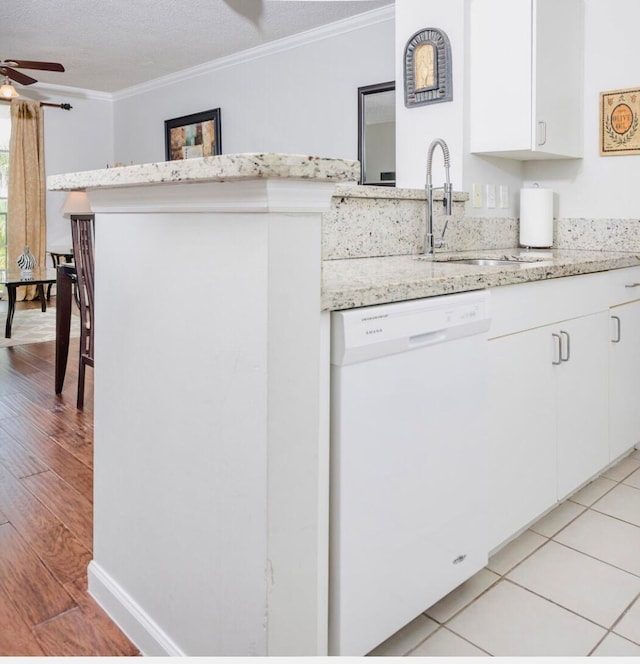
[624,379]
[548,387]
[522,433]
[549,414]
[526,78]
[582,400]
[624,362]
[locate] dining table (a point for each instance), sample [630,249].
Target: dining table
[13,278]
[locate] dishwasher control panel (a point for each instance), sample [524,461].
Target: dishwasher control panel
[367,332]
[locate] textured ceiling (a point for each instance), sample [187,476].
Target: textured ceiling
[109,45]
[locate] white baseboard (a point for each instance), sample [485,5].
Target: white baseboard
[145,634]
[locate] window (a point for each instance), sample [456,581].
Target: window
[5,134]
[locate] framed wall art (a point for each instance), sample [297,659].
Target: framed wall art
[619,122]
[196,135]
[427,68]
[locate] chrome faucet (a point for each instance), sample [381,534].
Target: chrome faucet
[431,243]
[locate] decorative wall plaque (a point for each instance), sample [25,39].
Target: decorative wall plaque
[427,68]
[619,122]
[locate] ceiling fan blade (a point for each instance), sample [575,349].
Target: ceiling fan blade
[250,9]
[34,64]
[17,76]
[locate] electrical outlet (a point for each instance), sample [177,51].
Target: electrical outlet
[491,195]
[503,196]
[476,195]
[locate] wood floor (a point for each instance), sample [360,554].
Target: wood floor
[46,454]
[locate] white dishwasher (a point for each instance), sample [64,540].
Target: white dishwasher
[408,516]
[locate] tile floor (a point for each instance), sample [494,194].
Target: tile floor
[568,586]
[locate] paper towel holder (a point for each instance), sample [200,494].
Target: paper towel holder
[536,217]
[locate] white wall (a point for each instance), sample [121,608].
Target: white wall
[77,140]
[595,186]
[303,99]
[297,95]
[419,125]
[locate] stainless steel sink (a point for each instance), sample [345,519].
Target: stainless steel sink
[505,259]
[487,262]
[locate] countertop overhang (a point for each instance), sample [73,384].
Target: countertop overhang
[359,282]
[220,168]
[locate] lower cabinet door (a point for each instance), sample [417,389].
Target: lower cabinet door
[624,379]
[583,388]
[522,433]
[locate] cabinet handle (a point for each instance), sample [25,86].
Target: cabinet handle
[558,348]
[618,328]
[568,355]
[634,285]
[542,132]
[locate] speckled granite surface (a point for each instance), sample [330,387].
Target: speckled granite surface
[358,282]
[213,169]
[370,223]
[373,236]
[598,234]
[387,221]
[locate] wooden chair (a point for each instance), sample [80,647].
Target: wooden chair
[82,238]
[57,258]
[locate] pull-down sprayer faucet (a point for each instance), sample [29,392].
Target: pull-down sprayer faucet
[430,243]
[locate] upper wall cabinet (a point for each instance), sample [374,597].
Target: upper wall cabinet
[526,78]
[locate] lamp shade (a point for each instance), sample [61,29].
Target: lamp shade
[7,91]
[76,202]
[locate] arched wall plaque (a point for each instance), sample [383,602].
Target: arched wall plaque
[427,68]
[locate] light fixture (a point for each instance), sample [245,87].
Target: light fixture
[76,202]
[7,91]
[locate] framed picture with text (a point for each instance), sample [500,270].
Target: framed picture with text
[619,122]
[196,135]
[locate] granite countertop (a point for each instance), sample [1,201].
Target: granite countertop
[221,168]
[358,282]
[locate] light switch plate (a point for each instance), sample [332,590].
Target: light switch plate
[491,195]
[476,195]
[503,196]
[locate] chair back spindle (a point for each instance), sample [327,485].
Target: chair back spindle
[82,235]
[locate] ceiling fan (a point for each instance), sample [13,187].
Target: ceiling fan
[9,69]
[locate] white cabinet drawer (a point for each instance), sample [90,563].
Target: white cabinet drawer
[624,285]
[525,306]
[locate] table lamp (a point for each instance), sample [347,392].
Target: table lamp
[76,202]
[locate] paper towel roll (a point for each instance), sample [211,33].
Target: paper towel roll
[536,217]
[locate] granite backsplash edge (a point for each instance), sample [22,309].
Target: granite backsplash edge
[367,221]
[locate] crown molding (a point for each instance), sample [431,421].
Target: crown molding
[75,93]
[344,26]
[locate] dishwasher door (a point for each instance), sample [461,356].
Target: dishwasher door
[408,408]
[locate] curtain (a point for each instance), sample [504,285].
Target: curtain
[26,218]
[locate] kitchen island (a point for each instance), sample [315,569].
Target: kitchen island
[211,402]
[211,396]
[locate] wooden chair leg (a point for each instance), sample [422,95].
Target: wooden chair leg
[81,370]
